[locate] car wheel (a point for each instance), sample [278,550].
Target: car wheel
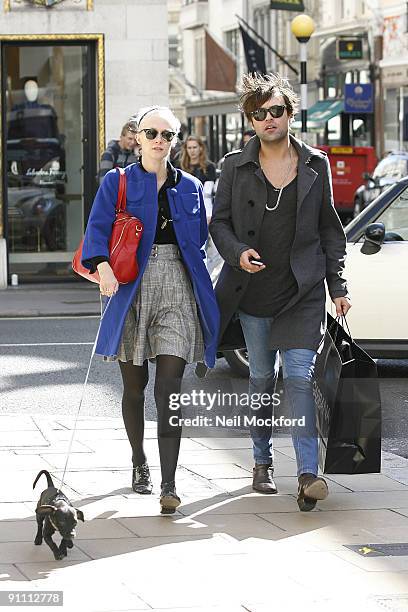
[238,362]
[357,207]
[54,233]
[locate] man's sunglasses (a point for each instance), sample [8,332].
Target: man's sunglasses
[275,111]
[151,134]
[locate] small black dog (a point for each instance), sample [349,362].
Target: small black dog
[55,512]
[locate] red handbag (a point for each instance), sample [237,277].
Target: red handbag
[123,244]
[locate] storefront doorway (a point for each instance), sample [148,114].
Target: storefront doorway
[49,152]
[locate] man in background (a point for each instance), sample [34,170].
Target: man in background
[119,153]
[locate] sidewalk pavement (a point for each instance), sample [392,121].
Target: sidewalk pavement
[226,549]
[50,299]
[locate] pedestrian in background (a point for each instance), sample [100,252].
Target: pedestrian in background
[120,153]
[193,159]
[169,313]
[246,136]
[278,256]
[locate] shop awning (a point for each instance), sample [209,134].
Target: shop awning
[319,113]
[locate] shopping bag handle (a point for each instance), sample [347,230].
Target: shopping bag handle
[343,322]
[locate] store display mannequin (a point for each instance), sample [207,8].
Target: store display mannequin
[30,119]
[31,92]
[33,137]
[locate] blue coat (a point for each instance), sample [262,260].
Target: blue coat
[190,226]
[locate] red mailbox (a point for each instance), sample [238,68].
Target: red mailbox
[348,165]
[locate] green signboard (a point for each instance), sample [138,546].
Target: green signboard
[351,48]
[287,5]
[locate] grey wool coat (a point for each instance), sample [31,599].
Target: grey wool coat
[318,251]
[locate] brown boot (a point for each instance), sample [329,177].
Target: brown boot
[311,488]
[262,478]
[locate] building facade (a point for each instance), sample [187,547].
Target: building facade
[214,115]
[394,74]
[73,72]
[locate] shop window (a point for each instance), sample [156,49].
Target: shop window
[232,41]
[46,154]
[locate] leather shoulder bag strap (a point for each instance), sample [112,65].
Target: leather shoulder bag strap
[121,200]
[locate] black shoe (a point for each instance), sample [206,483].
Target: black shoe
[169,500]
[311,488]
[141,481]
[262,479]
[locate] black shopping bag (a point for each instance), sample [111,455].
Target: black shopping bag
[348,405]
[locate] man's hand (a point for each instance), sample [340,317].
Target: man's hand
[108,284]
[343,305]
[247,265]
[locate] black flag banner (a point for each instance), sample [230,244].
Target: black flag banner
[287,5]
[254,53]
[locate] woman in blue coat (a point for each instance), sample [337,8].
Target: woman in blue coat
[169,313]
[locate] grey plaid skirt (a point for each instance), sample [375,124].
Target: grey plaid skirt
[163,319]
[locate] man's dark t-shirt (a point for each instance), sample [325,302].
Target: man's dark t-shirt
[271,289]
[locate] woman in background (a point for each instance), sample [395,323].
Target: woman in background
[194,160]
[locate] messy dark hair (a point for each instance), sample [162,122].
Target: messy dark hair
[255,89]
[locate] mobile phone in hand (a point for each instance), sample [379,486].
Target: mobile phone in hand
[256,262]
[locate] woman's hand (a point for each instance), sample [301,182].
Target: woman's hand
[108,284]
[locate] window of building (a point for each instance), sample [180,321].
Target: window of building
[332,86]
[364,77]
[396,119]
[174,58]
[48,139]
[232,41]
[199,54]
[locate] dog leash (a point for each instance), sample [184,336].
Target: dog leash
[83,392]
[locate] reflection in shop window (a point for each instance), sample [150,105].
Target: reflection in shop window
[45,89]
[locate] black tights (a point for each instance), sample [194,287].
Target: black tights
[169,372]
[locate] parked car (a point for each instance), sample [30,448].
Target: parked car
[377,274]
[387,172]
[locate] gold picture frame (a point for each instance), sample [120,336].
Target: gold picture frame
[100,70]
[7,5]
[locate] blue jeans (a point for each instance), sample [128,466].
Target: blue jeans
[298,370]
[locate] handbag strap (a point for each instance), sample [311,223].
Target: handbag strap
[121,200]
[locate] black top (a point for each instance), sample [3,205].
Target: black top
[209,174]
[164,230]
[271,289]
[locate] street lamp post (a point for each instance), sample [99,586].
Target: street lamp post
[303,27]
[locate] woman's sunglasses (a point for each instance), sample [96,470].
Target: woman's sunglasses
[275,111]
[151,134]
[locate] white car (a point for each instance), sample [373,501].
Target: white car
[377,274]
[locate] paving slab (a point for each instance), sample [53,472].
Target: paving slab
[367,482]
[338,520]
[16,510]
[16,439]
[220,470]
[235,525]
[220,533]
[20,552]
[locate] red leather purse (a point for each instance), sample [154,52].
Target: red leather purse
[124,242]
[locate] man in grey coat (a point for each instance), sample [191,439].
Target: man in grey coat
[275,225]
